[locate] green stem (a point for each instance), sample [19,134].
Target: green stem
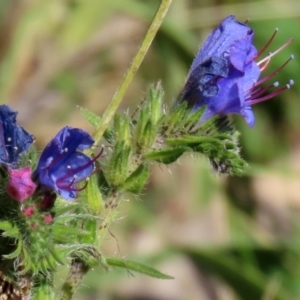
[77,271]
[135,64]
[79,268]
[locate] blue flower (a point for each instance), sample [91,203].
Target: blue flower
[224,75]
[62,165]
[14,140]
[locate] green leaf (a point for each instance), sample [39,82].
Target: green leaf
[5,225]
[9,229]
[138,267]
[93,119]
[190,140]
[15,253]
[137,180]
[166,156]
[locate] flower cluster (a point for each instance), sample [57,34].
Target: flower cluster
[61,167]
[224,76]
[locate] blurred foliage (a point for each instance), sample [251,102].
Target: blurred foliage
[233,237]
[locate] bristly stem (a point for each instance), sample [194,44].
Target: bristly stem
[79,267]
[76,273]
[135,64]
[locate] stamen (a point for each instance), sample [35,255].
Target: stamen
[70,188]
[9,139]
[267,44]
[275,72]
[271,95]
[260,91]
[77,170]
[275,52]
[66,149]
[264,65]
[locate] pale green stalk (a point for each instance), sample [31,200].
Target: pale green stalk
[135,64]
[79,268]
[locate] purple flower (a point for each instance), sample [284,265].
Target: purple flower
[224,75]
[14,140]
[62,165]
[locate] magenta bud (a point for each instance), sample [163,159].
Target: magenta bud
[20,186]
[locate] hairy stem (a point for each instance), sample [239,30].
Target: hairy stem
[135,64]
[77,271]
[79,267]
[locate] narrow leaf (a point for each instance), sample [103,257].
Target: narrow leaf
[166,156]
[138,267]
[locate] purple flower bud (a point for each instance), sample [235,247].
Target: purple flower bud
[224,75]
[20,186]
[62,165]
[14,140]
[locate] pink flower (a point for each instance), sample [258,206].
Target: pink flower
[20,186]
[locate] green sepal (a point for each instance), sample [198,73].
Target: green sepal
[137,267]
[63,234]
[92,196]
[103,184]
[137,180]
[192,119]
[140,129]
[166,156]
[154,101]
[117,169]
[176,118]
[57,256]
[122,131]
[231,166]
[148,136]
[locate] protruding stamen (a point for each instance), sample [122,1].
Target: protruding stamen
[61,180]
[274,73]
[271,95]
[275,52]
[261,91]
[291,82]
[267,44]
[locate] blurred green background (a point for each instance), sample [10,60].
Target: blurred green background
[221,238]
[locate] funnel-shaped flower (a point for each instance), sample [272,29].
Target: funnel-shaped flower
[14,140]
[62,165]
[224,75]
